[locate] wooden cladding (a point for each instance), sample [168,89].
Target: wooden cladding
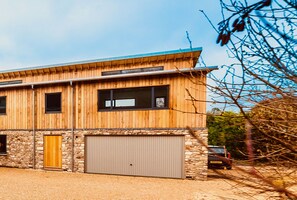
[90,70]
[180,58]
[181,112]
[18,109]
[173,100]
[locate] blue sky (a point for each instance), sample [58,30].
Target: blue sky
[34,33]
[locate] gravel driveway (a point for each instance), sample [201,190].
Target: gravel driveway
[38,184]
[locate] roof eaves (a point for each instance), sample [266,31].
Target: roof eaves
[106,59]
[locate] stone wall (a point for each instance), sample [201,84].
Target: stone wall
[20,148]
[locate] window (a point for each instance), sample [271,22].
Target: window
[53,102]
[131,71]
[133,98]
[160,97]
[11,82]
[2,144]
[3,105]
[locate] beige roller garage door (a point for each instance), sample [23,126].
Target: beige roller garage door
[158,156]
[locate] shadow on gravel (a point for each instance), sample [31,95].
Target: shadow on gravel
[217,174]
[214,174]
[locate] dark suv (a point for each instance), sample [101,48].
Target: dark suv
[219,157]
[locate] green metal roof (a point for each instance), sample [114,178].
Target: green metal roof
[107,59]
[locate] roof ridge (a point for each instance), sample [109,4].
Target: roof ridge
[105,59]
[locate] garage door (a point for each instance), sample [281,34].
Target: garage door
[158,156]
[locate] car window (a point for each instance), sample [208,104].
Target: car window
[217,150]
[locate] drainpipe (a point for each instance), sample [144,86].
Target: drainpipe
[33,123]
[72,126]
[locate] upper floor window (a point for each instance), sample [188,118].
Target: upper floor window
[133,98]
[2,144]
[3,105]
[53,102]
[11,82]
[131,71]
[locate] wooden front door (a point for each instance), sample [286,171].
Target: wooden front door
[53,152]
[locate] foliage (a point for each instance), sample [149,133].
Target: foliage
[265,66]
[279,117]
[227,129]
[262,81]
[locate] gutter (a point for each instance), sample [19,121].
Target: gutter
[164,72]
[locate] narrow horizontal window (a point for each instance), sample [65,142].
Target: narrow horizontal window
[130,71]
[3,105]
[11,82]
[3,143]
[133,98]
[53,102]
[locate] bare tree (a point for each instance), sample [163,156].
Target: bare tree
[262,84]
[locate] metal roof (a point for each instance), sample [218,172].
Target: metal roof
[163,53]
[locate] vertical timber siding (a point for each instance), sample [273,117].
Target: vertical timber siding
[18,109]
[92,70]
[60,120]
[86,116]
[86,121]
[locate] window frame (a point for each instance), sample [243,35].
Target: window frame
[46,106]
[152,94]
[5,145]
[4,113]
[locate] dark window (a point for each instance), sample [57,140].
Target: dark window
[160,97]
[3,105]
[2,144]
[131,71]
[133,98]
[53,102]
[11,82]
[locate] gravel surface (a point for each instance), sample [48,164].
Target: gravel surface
[39,184]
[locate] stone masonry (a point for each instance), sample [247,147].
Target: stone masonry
[20,148]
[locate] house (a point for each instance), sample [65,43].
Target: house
[123,115]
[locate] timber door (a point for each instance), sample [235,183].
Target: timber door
[52,152]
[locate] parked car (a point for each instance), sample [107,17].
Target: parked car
[219,157]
